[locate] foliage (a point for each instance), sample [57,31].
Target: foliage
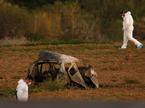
[14,21]
[85,20]
[7,92]
[48,86]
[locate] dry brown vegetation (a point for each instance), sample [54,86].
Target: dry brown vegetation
[57,22]
[120,72]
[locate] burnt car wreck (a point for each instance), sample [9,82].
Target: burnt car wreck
[55,65]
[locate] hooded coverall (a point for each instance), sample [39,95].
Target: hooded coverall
[22,90]
[128,30]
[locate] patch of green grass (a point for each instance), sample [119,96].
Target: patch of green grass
[52,42]
[48,86]
[56,85]
[56,42]
[35,89]
[131,81]
[7,92]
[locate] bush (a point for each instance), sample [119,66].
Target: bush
[83,20]
[35,37]
[14,21]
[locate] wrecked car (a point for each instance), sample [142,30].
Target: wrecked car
[55,65]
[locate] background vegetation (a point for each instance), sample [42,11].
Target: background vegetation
[77,20]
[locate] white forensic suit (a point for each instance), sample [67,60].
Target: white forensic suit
[128,31]
[22,91]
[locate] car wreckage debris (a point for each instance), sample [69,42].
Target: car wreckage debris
[52,64]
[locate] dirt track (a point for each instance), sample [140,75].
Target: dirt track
[121,72]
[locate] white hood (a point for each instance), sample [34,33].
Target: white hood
[21,81]
[128,13]
[128,22]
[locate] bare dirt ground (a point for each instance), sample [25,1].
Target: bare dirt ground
[121,73]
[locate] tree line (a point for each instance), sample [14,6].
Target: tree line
[85,20]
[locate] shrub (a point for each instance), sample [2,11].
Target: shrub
[14,21]
[83,20]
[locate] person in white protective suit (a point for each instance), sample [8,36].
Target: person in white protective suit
[22,90]
[128,30]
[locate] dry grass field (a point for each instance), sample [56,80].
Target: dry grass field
[121,73]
